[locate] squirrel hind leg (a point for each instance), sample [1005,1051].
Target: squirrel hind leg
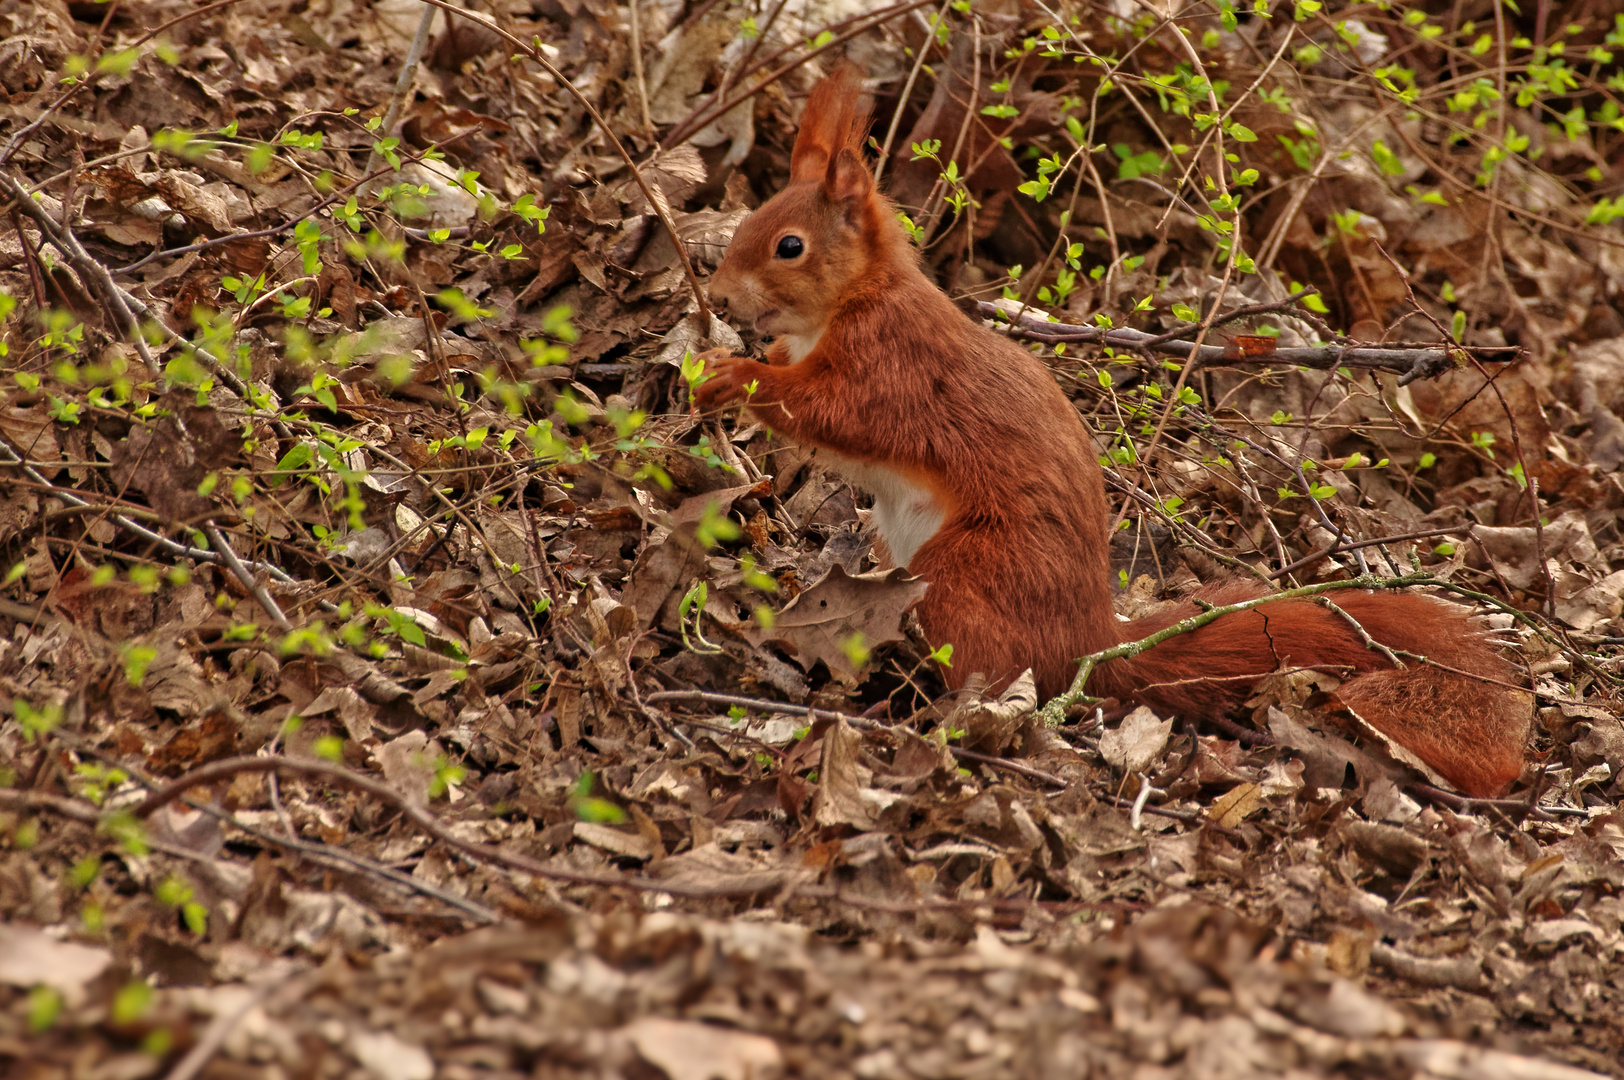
[1472,733]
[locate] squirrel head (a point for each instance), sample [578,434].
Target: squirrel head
[794,261]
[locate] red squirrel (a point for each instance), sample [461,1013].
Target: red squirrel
[987,485]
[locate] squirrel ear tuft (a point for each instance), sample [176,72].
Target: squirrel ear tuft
[833,121]
[847,178]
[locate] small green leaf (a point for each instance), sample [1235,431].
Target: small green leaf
[131,1002]
[44,1007]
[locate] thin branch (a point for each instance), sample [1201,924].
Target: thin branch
[224,1023]
[1408,362]
[858,722]
[902,98]
[1364,635]
[403,83]
[255,588]
[637,64]
[1338,546]
[95,275]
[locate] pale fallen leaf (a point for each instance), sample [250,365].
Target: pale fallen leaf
[613,840]
[685,1050]
[29,958]
[1460,1061]
[409,763]
[446,203]
[1386,801]
[1552,931]
[388,1057]
[1137,741]
[1585,591]
[1346,1010]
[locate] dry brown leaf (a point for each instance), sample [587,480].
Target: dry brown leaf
[1236,805]
[822,621]
[990,725]
[844,796]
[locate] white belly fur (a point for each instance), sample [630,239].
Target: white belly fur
[798,345]
[906,514]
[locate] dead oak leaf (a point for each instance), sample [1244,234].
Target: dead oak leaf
[822,621]
[170,461]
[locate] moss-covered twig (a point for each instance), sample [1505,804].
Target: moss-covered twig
[1053,711]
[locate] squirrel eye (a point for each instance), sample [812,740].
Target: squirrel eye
[790,247]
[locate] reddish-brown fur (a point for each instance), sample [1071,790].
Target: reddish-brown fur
[901,380]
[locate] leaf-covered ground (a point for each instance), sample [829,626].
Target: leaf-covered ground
[401,680]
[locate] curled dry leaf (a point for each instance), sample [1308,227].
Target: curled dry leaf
[844,796]
[1236,805]
[1585,591]
[1326,757]
[989,726]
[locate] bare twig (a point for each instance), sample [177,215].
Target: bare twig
[902,98]
[95,275]
[403,83]
[1340,545]
[240,572]
[1364,635]
[223,1024]
[1409,362]
[636,20]
[859,722]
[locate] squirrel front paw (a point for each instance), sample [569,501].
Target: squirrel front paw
[728,378]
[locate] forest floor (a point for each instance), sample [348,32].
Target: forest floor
[384,686]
